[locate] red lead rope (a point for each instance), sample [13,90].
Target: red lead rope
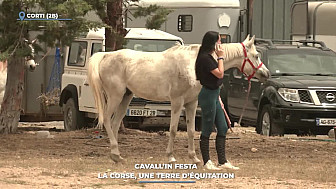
[246,100]
[228,121]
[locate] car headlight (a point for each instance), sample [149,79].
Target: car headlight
[291,95]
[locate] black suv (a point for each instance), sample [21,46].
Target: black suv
[299,97]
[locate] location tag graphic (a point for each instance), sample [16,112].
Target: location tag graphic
[22,15]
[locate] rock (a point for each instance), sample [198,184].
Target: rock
[254,149]
[43,134]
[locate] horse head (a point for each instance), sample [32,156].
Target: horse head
[30,63]
[252,65]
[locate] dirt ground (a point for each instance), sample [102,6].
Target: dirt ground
[79,159]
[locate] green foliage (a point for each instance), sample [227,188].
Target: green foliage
[52,32]
[157,15]
[59,33]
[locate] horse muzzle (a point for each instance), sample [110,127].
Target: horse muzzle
[263,75]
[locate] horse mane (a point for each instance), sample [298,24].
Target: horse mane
[178,46]
[231,51]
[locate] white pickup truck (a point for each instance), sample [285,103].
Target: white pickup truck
[76,98]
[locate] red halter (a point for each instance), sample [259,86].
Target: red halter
[249,61]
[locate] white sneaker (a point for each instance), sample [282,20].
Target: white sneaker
[228,165]
[211,166]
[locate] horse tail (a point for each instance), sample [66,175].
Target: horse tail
[96,85]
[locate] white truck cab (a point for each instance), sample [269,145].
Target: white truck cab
[76,98]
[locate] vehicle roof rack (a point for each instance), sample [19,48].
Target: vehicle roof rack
[270,42]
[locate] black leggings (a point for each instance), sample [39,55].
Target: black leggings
[212,112]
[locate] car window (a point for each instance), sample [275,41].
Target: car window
[77,53]
[96,47]
[296,61]
[150,45]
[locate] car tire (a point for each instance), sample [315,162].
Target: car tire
[266,125]
[73,118]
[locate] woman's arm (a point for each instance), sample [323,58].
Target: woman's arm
[219,72]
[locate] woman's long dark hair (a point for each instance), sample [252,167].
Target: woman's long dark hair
[208,45]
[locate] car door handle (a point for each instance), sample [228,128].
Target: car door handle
[86,83]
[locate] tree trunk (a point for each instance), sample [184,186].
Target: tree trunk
[11,105]
[115,34]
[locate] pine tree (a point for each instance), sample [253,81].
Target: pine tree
[112,13]
[13,48]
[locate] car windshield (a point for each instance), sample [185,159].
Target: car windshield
[301,62]
[150,45]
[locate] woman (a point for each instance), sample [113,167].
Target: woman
[210,73]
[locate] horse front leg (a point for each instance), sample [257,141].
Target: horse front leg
[190,109]
[176,108]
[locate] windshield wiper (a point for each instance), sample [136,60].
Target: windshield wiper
[321,74]
[287,74]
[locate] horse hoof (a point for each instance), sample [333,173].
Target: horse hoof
[171,159]
[117,158]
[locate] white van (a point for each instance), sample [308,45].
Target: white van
[76,98]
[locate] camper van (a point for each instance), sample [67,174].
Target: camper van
[315,21]
[191,19]
[77,99]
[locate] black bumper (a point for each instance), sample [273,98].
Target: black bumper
[303,119]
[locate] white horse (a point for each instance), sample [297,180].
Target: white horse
[160,76]
[3,78]
[30,65]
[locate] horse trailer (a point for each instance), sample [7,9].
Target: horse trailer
[315,21]
[191,19]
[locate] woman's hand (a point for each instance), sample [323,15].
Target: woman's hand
[219,52]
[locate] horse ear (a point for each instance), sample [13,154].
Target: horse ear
[251,42]
[247,39]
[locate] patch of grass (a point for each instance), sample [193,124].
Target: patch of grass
[14,176]
[15,181]
[52,184]
[45,173]
[62,173]
[97,185]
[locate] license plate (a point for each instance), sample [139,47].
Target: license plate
[325,122]
[141,112]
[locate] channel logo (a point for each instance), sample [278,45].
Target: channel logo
[40,16]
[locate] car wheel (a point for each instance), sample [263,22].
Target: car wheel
[266,125]
[73,118]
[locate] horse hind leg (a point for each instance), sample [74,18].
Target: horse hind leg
[176,108]
[112,103]
[120,113]
[190,109]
